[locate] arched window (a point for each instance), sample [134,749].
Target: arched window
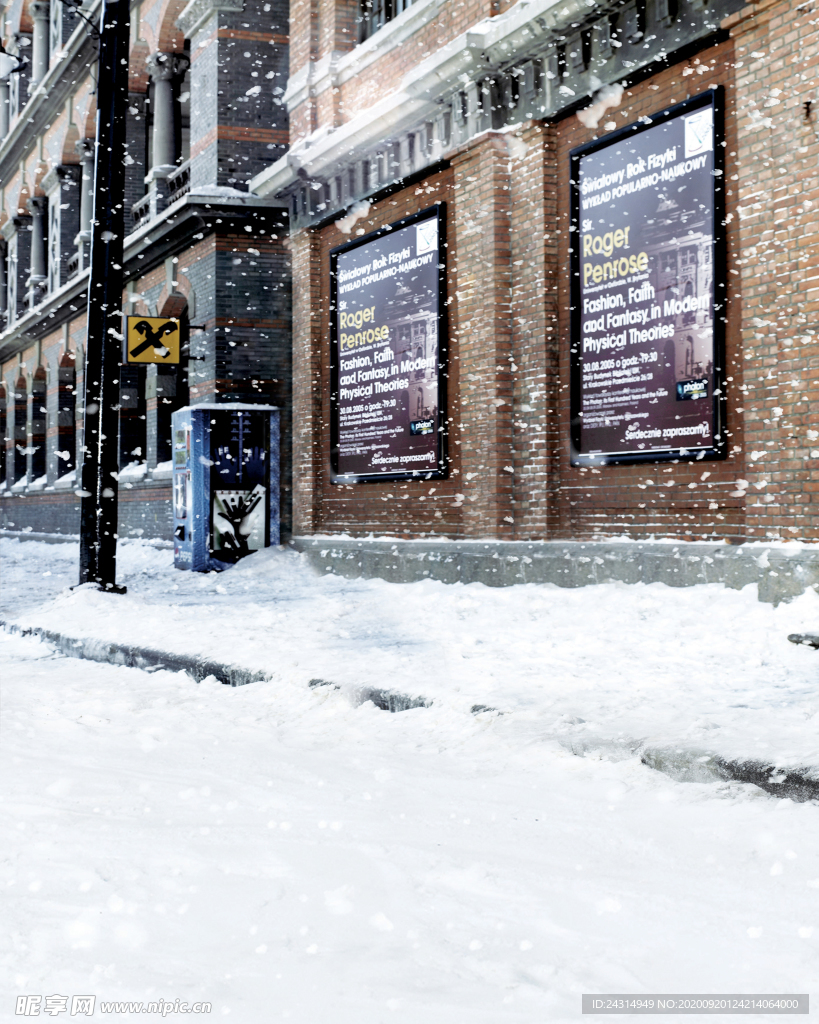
[67,415]
[3,425]
[172,388]
[37,442]
[20,430]
[133,430]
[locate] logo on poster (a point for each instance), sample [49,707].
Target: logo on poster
[426,237]
[699,132]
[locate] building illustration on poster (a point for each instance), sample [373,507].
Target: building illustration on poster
[387,352]
[645,326]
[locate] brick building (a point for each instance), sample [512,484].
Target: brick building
[205,114]
[475,105]
[394,109]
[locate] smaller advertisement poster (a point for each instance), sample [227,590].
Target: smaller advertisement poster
[387,352]
[239,492]
[239,521]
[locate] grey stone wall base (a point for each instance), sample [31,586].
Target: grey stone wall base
[780,573]
[45,538]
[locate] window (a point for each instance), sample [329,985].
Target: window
[133,432]
[53,255]
[55,27]
[3,421]
[20,431]
[12,272]
[66,415]
[182,98]
[37,443]
[668,261]
[374,14]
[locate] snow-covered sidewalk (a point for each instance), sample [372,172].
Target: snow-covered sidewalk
[285,855]
[288,854]
[609,668]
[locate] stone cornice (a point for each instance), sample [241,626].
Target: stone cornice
[13,225]
[441,73]
[59,174]
[537,60]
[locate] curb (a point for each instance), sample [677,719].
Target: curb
[150,660]
[797,784]
[144,658]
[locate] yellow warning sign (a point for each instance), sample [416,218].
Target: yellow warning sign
[152,339]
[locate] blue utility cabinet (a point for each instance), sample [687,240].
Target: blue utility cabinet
[225,483]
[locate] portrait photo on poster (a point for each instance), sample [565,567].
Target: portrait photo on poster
[388,352]
[649,290]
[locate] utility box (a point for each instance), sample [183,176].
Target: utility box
[225,483]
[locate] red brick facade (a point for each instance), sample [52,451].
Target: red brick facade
[507,196]
[510,478]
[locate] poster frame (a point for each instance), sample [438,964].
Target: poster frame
[441,470]
[713,97]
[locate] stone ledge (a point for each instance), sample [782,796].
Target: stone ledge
[781,571]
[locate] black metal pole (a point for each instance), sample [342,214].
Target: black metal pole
[100,456]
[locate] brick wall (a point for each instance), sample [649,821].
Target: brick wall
[689,499]
[511,477]
[238,76]
[401,508]
[484,361]
[774,263]
[144,511]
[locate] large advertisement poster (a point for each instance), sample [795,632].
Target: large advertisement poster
[648,290]
[388,352]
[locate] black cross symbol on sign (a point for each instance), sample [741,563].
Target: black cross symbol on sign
[153,338]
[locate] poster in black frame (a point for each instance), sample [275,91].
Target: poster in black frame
[649,290]
[388,352]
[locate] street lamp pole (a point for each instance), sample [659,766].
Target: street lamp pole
[100,456]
